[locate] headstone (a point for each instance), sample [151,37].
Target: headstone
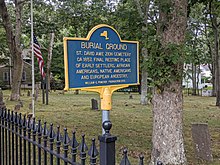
[202,141]
[2,104]
[28,93]
[21,103]
[76,92]
[30,106]
[61,92]
[17,107]
[206,92]
[30,115]
[94,104]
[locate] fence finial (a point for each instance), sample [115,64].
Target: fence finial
[24,124]
[74,145]
[159,163]
[107,125]
[74,142]
[39,128]
[34,126]
[8,116]
[66,138]
[58,135]
[51,132]
[45,129]
[16,118]
[5,114]
[83,147]
[93,152]
[20,120]
[125,160]
[141,157]
[66,141]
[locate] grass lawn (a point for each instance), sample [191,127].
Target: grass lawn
[132,122]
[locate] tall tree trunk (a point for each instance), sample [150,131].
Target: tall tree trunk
[194,79]
[167,139]
[14,46]
[168,145]
[198,77]
[212,69]
[213,79]
[144,99]
[49,58]
[217,70]
[216,51]
[144,75]
[212,56]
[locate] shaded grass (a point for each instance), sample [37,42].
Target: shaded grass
[132,122]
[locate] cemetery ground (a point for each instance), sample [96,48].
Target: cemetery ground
[132,122]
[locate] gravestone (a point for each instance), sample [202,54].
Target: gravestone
[206,92]
[21,103]
[28,93]
[76,92]
[30,115]
[2,104]
[61,92]
[202,141]
[30,106]
[94,104]
[17,107]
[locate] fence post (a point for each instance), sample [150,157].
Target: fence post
[107,145]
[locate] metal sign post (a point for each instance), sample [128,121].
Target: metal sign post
[102,63]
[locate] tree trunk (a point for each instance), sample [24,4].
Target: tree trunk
[144,75]
[194,79]
[212,56]
[14,46]
[167,136]
[213,79]
[217,58]
[16,77]
[144,99]
[198,77]
[49,58]
[167,139]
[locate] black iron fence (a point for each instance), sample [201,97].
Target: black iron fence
[27,141]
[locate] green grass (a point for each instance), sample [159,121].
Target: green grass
[132,122]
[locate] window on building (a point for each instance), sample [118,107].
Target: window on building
[23,76]
[5,76]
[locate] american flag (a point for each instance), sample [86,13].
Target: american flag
[38,54]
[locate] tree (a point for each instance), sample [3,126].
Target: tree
[144,15]
[14,43]
[167,55]
[209,26]
[49,59]
[214,6]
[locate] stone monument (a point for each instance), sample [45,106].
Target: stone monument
[2,104]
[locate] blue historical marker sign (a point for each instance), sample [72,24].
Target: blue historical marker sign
[101,59]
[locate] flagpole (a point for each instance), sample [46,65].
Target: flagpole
[32,56]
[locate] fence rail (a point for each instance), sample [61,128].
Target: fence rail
[27,141]
[23,141]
